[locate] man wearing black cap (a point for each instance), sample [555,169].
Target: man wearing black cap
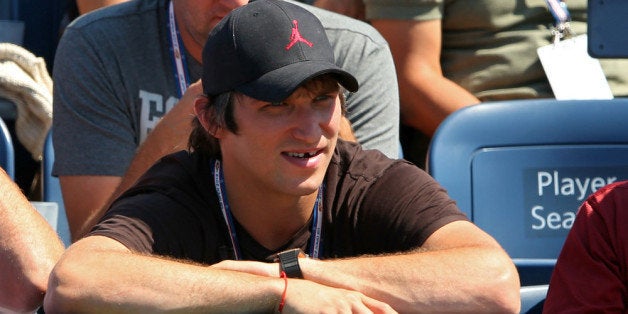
[125,81]
[267,183]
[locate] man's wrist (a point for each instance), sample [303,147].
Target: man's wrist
[289,262]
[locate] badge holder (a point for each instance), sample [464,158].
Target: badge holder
[571,72]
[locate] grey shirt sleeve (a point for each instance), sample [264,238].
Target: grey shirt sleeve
[93,134]
[374,109]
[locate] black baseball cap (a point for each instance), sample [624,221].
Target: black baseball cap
[266,49]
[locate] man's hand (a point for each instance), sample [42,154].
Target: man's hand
[303,296]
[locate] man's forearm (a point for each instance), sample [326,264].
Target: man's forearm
[471,279]
[459,268]
[467,279]
[425,105]
[161,141]
[92,273]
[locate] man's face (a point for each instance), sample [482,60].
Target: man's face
[198,17]
[284,147]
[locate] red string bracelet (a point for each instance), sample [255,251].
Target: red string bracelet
[285,289]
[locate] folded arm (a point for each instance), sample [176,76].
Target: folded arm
[98,272]
[459,269]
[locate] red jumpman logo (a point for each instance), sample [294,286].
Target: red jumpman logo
[296,37]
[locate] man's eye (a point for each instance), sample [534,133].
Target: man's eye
[322,97]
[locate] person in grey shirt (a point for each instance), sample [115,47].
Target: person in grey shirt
[122,69]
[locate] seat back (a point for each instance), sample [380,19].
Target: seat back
[51,189]
[533,298]
[520,169]
[7,154]
[12,28]
[605,19]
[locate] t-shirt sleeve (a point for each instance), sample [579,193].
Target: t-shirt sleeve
[152,223]
[90,117]
[419,10]
[407,206]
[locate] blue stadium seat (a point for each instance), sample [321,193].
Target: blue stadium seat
[605,19]
[51,190]
[532,299]
[7,159]
[520,169]
[10,24]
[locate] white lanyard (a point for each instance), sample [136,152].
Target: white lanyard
[178,57]
[317,216]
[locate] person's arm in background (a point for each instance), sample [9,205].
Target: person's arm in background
[95,134]
[85,6]
[427,97]
[83,145]
[29,248]
[97,192]
[352,8]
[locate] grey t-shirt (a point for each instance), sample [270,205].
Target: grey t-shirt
[114,79]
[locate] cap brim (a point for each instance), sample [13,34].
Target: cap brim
[279,84]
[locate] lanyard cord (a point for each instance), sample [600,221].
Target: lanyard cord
[219,183]
[178,57]
[559,11]
[317,216]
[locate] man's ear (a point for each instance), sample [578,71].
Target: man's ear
[204,114]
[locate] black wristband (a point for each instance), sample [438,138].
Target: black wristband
[289,261]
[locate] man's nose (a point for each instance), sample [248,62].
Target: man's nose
[307,125]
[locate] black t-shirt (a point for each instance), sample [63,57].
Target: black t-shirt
[371,205]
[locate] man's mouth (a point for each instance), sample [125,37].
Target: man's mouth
[303,155]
